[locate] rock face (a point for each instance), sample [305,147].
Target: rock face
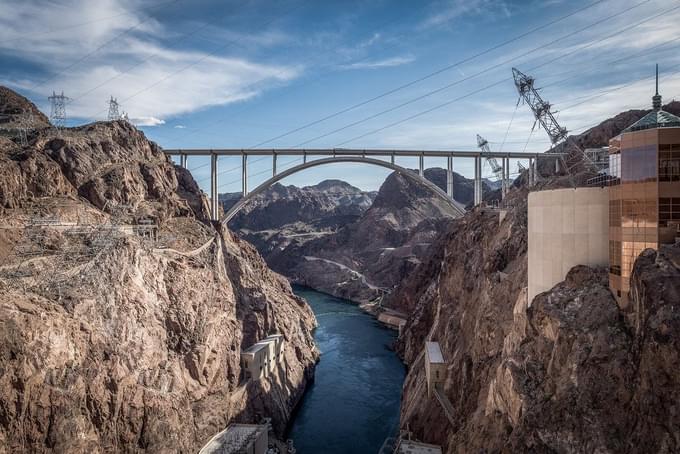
[364,259]
[119,337]
[287,213]
[325,236]
[571,373]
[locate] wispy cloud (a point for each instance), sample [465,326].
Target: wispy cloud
[449,10]
[384,63]
[180,127]
[115,48]
[147,121]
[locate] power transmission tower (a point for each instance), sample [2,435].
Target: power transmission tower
[483,145]
[545,117]
[113,109]
[58,111]
[25,124]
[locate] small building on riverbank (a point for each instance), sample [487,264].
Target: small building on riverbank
[262,358]
[435,367]
[239,439]
[416,447]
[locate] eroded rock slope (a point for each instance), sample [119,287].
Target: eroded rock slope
[116,336]
[572,373]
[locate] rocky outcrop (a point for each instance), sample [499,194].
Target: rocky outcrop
[283,214]
[365,259]
[569,373]
[118,337]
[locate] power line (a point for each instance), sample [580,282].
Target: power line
[89,54]
[76,25]
[493,84]
[149,57]
[330,65]
[428,76]
[190,65]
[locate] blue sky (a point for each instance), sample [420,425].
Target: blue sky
[237,73]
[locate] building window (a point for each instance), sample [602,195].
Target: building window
[615,257]
[669,211]
[669,162]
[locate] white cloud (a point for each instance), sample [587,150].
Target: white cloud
[449,10]
[111,47]
[180,127]
[147,121]
[384,63]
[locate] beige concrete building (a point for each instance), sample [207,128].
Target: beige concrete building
[262,358]
[435,367]
[416,447]
[567,227]
[255,361]
[239,439]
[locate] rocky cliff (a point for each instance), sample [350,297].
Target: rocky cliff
[325,236]
[283,214]
[365,259]
[571,373]
[122,310]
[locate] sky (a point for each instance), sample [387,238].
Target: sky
[353,73]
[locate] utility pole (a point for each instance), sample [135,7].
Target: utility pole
[58,111]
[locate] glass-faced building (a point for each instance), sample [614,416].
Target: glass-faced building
[644,197]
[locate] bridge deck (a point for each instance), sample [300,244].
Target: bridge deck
[352,152]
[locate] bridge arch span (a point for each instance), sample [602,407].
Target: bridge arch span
[238,206]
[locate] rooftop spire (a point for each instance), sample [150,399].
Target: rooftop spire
[656,99]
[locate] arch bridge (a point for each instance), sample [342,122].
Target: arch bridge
[371,157]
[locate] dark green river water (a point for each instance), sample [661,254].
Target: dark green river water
[353,404]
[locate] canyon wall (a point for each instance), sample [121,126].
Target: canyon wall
[569,373]
[123,311]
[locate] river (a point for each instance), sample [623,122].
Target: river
[353,403]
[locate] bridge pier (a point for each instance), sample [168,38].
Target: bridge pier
[503,179]
[214,205]
[183,161]
[244,174]
[478,181]
[449,176]
[421,164]
[273,164]
[535,170]
[392,158]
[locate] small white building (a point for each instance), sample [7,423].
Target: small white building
[239,439]
[262,358]
[255,361]
[435,367]
[416,447]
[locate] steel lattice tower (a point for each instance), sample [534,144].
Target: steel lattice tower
[58,112]
[540,108]
[113,109]
[483,145]
[545,117]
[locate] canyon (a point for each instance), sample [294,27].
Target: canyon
[125,309]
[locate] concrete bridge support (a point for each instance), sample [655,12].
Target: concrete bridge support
[183,161]
[449,176]
[421,165]
[244,174]
[214,203]
[273,165]
[478,181]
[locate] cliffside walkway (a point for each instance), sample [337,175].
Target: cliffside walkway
[444,402]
